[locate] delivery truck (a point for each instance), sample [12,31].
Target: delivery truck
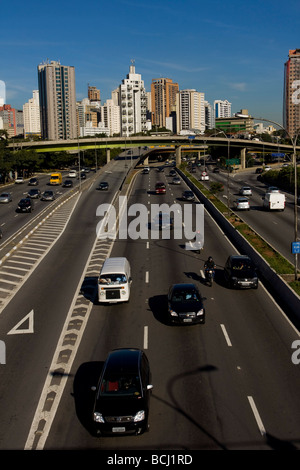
[274,201]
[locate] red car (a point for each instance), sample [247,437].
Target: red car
[160,188]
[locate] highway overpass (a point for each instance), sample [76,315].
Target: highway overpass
[173,143]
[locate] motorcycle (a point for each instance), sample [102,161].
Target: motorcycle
[209,276]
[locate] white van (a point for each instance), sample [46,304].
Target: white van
[114,281]
[274,201]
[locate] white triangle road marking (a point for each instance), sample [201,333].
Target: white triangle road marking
[16,331]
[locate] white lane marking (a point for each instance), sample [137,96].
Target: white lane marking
[147,246]
[226,335]
[15,330]
[257,417]
[147,277]
[145,337]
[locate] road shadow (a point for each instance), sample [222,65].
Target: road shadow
[89,288]
[86,377]
[158,304]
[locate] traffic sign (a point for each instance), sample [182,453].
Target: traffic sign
[295,247]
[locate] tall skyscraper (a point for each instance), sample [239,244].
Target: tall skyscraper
[133,104]
[2,93]
[291,95]
[163,100]
[57,101]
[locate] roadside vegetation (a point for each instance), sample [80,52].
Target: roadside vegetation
[28,162]
[277,262]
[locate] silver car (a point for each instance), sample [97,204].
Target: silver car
[5,198]
[242,203]
[246,191]
[48,196]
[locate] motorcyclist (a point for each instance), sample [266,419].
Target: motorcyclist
[209,265]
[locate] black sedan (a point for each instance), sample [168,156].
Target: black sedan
[123,394]
[34,193]
[33,182]
[188,195]
[103,186]
[240,272]
[67,184]
[185,305]
[25,205]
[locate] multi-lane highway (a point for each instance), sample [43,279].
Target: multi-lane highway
[227,384]
[276,227]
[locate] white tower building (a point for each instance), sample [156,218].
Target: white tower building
[222,109]
[133,104]
[31,115]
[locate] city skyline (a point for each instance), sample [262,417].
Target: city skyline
[233,52]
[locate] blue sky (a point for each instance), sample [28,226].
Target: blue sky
[232,50]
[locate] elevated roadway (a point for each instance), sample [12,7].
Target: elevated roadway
[174,143]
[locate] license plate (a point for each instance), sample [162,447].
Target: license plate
[187,320]
[118,429]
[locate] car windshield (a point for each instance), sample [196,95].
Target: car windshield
[112,279]
[115,385]
[185,296]
[242,265]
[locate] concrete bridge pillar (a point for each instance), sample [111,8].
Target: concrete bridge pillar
[243,158]
[107,155]
[178,155]
[146,161]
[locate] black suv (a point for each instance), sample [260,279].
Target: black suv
[123,394]
[25,205]
[239,272]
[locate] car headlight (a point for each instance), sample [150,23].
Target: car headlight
[140,416]
[173,313]
[200,312]
[98,417]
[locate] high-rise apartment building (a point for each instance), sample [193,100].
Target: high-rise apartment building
[57,97]
[291,95]
[190,111]
[133,104]
[163,100]
[31,115]
[111,116]
[222,109]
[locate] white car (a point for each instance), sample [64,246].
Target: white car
[242,203]
[273,189]
[19,180]
[246,191]
[72,174]
[204,176]
[267,168]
